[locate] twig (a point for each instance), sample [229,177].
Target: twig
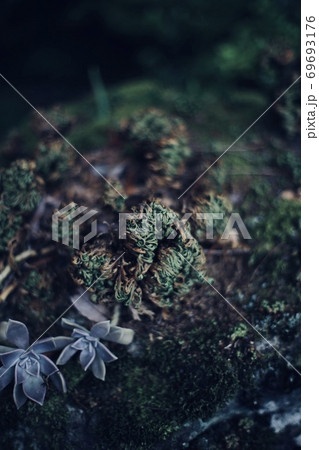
[21,257]
[7,291]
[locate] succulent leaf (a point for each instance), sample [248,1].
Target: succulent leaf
[87,357]
[59,381]
[34,388]
[101,329]
[18,334]
[105,353]
[11,358]
[44,345]
[66,323]
[27,365]
[66,354]
[47,366]
[98,368]
[62,341]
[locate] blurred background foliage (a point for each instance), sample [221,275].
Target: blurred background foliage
[237,51]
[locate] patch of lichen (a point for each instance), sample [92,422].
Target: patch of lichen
[152,267]
[174,380]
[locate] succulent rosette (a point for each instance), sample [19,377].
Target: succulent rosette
[27,365]
[93,354]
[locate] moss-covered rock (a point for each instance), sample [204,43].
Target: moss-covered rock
[174,380]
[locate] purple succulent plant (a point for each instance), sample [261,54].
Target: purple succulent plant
[27,364]
[93,353]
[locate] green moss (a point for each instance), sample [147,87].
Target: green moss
[272,296]
[145,398]
[40,426]
[174,381]
[239,433]
[239,331]
[278,227]
[37,427]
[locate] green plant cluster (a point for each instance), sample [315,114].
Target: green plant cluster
[10,223]
[20,195]
[209,203]
[53,160]
[159,139]
[37,285]
[112,197]
[152,268]
[20,187]
[53,156]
